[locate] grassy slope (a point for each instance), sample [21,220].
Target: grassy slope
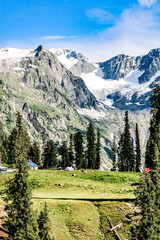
[79,202]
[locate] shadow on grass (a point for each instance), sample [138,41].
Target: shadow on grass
[90,199]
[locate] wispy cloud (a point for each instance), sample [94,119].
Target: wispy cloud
[147,3]
[52,37]
[74,36]
[135,32]
[101,15]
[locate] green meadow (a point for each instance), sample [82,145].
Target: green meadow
[79,202]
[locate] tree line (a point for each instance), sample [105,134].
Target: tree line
[126,157]
[82,150]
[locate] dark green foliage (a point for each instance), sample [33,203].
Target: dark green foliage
[121,163]
[17,138]
[1,134]
[98,150]
[148,198]
[43,224]
[114,155]
[79,150]
[35,154]
[126,156]
[3,147]
[20,222]
[71,149]
[64,155]
[148,194]
[91,151]
[138,150]
[50,155]
[154,137]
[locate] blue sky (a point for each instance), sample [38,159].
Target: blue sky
[99,29]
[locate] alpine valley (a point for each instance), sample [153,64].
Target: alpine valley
[59,91]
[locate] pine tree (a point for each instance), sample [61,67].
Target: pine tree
[154,137]
[4,149]
[114,155]
[121,162]
[79,150]
[148,194]
[50,155]
[20,222]
[148,199]
[64,155]
[91,153]
[35,154]
[126,151]
[13,141]
[1,134]
[43,224]
[71,150]
[98,150]
[138,150]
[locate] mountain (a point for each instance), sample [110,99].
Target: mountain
[123,82]
[60,91]
[48,95]
[74,61]
[36,83]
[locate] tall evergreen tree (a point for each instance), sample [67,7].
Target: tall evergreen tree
[4,149]
[91,151]
[154,137]
[126,150]
[64,155]
[148,199]
[20,222]
[13,141]
[138,150]
[98,150]
[71,149]
[148,194]
[114,155]
[50,155]
[1,134]
[121,162]
[79,150]
[43,224]
[35,153]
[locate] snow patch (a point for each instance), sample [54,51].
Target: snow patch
[92,113]
[14,55]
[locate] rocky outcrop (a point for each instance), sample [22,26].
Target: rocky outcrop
[150,64]
[119,66]
[78,63]
[44,71]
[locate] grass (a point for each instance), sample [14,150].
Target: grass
[79,202]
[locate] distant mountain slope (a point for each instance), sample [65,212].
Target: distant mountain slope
[122,82]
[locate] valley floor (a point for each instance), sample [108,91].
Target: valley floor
[80,204]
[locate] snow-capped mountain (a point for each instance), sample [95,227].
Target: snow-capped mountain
[74,61]
[41,85]
[122,82]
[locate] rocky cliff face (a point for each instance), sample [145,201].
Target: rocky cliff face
[119,66]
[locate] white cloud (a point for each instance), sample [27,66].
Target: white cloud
[147,3]
[101,15]
[74,36]
[136,32]
[52,37]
